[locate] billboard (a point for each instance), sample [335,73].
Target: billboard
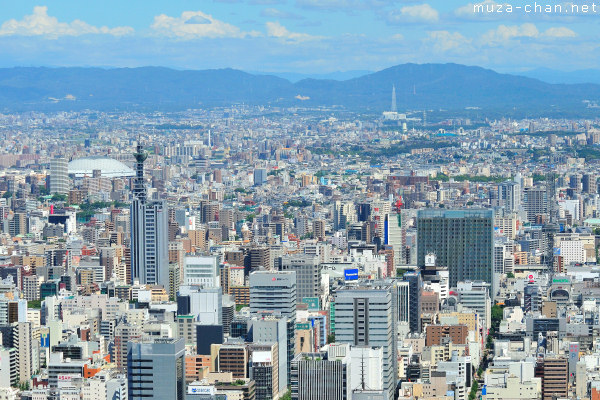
[351,274]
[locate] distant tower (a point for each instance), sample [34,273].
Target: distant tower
[394,109]
[209,138]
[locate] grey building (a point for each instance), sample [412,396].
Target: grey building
[275,292]
[155,370]
[462,241]
[410,290]
[316,377]
[149,232]
[273,328]
[307,273]
[535,201]
[367,315]
[59,176]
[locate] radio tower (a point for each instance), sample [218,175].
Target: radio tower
[394,109]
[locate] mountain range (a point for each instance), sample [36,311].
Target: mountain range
[418,87]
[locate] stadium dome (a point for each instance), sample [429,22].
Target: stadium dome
[109,168]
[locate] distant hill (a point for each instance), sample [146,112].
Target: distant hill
[418,86]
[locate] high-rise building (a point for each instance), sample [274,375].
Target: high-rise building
[149,232]
[26,349]
[265,328]
[9,373]
[59,176]
[367,315]
[307,273]
[275,292]
[535,201]
[554,372]
[320,376]
[260,176]
[319,229]
[105,385]
[461,240]
[124,334]
[155,370]
[532,298]
[404,301]
[200,270]
[415,287]
[509,196]
[343,214]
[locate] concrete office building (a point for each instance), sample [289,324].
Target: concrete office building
[360,312]
[307,273]
[461,240]
[318,376]
[204,303]
[535,202]
[155,370]
[198,270]
[273,328]
[275,292]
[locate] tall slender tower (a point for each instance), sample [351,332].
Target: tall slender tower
[394,109]
[149,232]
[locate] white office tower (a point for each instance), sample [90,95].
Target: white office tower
[366,315]
[201,270]
[59,176]
[149,232]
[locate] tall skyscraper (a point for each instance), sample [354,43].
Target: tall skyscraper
[149,232]
[59,176]
[413,292]
[275,292]
[461,240]
[509,196]
[155,370]
[535,201]
[367,315]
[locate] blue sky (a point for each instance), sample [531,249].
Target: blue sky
[307,36]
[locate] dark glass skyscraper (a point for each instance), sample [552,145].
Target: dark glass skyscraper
[462,240]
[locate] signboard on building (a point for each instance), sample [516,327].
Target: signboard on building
[312,303]
[351,274]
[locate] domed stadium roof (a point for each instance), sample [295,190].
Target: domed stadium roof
[109,168]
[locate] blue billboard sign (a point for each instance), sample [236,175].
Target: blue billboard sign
[351,274]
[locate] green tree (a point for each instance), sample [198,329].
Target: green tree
[287,395]
[59,197]
[331,338]
[474,389]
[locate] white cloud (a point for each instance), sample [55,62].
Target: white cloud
[196,24]
[444,41]
[276,13]
[420,13]
[41,24]
[504,33]
[469,10]
[559,32]
[276,30]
